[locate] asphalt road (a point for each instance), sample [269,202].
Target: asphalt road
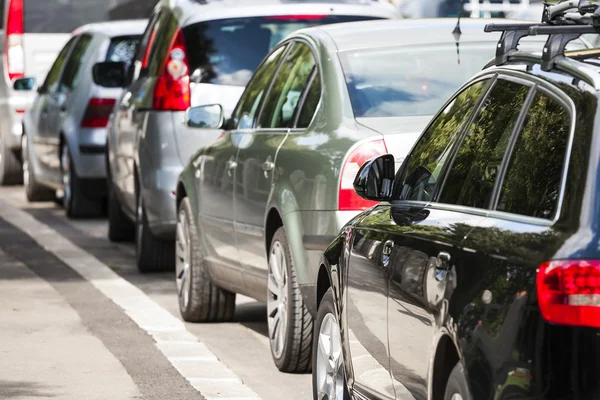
[78,321]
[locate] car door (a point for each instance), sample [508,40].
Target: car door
[218,169]
[430,257]
[257,160]
[44,143]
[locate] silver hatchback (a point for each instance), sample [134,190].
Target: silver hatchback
[64,140]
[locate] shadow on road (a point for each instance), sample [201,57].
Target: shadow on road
[253,316]
[16,389]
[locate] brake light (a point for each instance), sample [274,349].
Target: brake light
[172,90]
[569,292]
[14,56]
[297,17]
[97,113]
[348,199]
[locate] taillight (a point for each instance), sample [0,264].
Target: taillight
[569,292]
[97,113]
[348,199]
[172,90]
[14,56]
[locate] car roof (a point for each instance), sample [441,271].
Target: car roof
[193,11]
[406,32]
[114,28]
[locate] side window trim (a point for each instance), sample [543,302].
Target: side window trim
[72,45]
[61,81]
[300,106]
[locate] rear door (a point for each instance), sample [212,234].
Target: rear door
[257,159]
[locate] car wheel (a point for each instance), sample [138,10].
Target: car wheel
[152,254]
[457,387]
[120,228]
[76,204]
[290,324]
[33,190]
[200,300]
[329,377]
[11,170]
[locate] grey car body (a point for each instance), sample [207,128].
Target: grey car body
[147,148]
[63,152]
[260,189]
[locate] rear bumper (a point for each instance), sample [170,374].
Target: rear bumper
[88,148]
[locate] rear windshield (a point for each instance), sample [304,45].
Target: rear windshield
[228,51]
[409,81]
[122,49]
[63,16]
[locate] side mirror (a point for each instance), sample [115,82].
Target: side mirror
[375,179]
[208,116]
[110,74]
[24,84]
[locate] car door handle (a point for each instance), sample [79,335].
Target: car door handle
[231,165]
[388,247]
[268,165]
[442,266]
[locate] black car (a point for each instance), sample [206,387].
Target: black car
[478,276]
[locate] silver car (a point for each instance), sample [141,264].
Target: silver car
[191,54]
[64,138]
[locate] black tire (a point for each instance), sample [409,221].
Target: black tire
[296,354]
[76,204]
[11,169]
[207,302]
[33,190]
[457,384]
[325,307]
[152,254]
[120,228]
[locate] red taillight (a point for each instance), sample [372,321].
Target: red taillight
[14,56]
[297,17]
[569,292]
[97,113]
[348,199]
[172,90]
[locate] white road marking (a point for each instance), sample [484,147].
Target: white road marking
[194,361]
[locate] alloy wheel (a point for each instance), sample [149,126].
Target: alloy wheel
[330,364]
[182,261]
[25,158]
[277,298]
[66,176]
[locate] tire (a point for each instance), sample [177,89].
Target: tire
[291,349]
[33,190]
[152,254]
[200,300]
[327,314]
[120,228]
[457,387]
[11,170]
[76,204]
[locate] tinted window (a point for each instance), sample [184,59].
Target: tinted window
[73,66]
[51,82]
[122,49]
[471,179]
[229,50]
[293,76]
[408,81]
[433,150]
[313,96]
[532,183]
[63,16]
[247,108]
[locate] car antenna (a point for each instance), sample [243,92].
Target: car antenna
[457,32]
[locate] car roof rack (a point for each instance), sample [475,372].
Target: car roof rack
[563,23]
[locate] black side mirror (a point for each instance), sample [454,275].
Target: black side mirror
[24,84]
[110,74]
[375,179]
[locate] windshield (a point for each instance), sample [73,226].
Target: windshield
[409,81]
[228,51]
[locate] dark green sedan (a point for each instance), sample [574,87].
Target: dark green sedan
[257,207]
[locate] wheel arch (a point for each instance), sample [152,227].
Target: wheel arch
[446,357]
[323,283]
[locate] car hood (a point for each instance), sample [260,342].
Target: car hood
[399,133]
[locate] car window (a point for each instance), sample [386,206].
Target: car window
[162,37]
[122,49]
[73,65]
[247,108]
[470,180]
[426,161]
[292,78]
[51,82]
[531,186]
[311,101]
